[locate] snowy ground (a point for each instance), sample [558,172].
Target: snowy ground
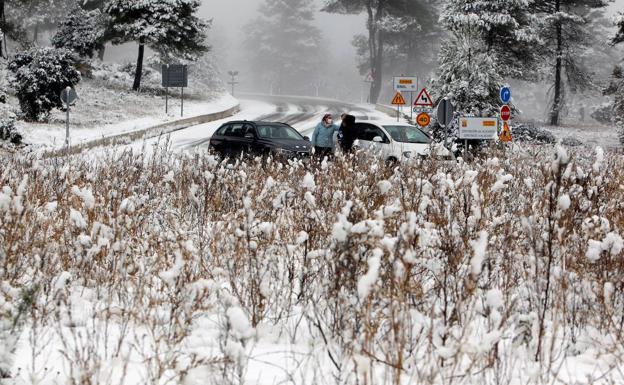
[103,111]
[164,267]
[591,134]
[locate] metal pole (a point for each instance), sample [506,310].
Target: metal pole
[466,150]
[166,100]
[411,104]
[182,105]
[398,113]
[67,123]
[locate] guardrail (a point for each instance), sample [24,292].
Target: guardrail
[146,133]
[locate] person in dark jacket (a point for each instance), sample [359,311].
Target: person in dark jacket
[347,133]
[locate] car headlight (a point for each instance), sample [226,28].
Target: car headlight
[407,154]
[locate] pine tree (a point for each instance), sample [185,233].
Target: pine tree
[35,15]
[289,55]
[504,29]
[82,32]
[376,11]
[566,33]
[616,87]
[169,26]
[489,40]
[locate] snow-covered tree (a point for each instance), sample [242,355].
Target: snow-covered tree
[169,26]
[284,46]
[616,90]
[39,76]
[37,16]
[377,11]
[489,40]
[566,32]
[82,32]
[411,40]
[506,30]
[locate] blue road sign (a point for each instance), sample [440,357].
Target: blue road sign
[505,94]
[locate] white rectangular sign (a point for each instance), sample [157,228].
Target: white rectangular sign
[405,84]
[478,128]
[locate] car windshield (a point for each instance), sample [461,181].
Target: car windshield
[407,134]
[278,131]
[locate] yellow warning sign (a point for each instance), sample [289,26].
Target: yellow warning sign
[398,100]
[505,135]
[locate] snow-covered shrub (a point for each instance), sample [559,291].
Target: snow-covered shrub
[182,268]
[38,77]
[82,32]
[603,114]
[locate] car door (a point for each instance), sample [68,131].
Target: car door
[249,142]
[232,137]
[366,133]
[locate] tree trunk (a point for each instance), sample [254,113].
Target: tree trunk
[375,42]
[36,34]
[101,52]
[556,108]
[139,68]
[2,22]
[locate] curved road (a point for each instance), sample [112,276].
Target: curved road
[300,112]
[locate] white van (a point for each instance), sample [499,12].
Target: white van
[397,141]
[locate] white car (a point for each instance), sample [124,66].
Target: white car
[396,141]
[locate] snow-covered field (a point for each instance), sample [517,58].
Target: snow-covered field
[175,268]
[104,111]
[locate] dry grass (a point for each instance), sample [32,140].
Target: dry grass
[479,272]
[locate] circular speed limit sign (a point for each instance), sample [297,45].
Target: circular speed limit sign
[423,119]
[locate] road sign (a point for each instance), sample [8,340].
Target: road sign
[69,96]
[445,112]
[398,100]
[174,75]
[405,84]
[423,119]
[478,128]
[423,99]
[505,94]
[505,135]
[369,78]
[505,113]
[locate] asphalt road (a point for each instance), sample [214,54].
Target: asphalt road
[300,112]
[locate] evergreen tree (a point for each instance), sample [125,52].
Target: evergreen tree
[616,89]
[169,26]
[566,34]
[411,40]
[489,40]
[36,16]
[377,11]
[82,32]
[284,45]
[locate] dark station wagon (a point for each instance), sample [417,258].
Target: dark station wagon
[234,139]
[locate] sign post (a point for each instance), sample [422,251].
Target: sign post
[68,97]
[406,84]
[445,113]
[174,75]
[505,114]
[233,82]
[398,101]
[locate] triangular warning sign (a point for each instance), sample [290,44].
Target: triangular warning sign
[505,135]
[398,100]
[423,99]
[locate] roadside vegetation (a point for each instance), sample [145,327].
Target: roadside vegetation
[170,269]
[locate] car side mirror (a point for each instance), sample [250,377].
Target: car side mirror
[306,138]
[378,139]
[249,136]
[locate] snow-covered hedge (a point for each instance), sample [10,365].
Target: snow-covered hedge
[182,269]
[38,77]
